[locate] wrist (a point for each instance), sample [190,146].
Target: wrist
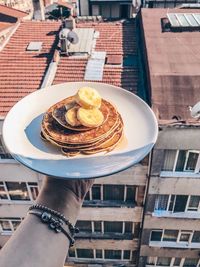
[64,202]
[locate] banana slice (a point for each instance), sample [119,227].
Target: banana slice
[90,117]
[88,98]
[71,117]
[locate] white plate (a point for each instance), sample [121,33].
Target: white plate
[21,133]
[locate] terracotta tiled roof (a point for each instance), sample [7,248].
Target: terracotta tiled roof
[117,39]
[21,72]
[12,12]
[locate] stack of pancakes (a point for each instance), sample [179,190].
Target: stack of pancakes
[74,140]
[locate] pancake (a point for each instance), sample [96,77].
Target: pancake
[59,109]
[58,133]
[45,134]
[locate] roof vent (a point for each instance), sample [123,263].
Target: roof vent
[34,46]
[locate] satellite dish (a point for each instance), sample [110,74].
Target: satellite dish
[195,110]
[72,37]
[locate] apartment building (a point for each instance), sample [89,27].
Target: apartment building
[171,225]
[110,219]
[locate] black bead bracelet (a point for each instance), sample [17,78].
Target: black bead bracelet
[55,221]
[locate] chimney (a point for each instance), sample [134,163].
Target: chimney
[38,5]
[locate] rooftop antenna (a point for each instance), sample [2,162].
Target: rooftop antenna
[195,110]
[67,37]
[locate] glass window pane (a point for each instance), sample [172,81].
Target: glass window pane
[5,224]
[113,192]
[72,252]
[181,160]
[85,253]
[161,202]
[196,237]
[113,254]
[96,192]
[180,203]
[163,261]
[169,160]
[190,262]
[98,253]
[127,254]
[170,235]
[16,224]
[113,227]
[128,227]
[17,191]
[192,161]
[185,237]
[87,197]
[194,203]
[130,194]
[3,194]
[136,230]
[171,203]
[34,192]
[156,235]
[151,260]
[177,262]
[97,226]
[84,226]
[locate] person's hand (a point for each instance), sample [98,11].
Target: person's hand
[65,196]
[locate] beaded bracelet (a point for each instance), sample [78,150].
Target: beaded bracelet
[55,221]
[72,228]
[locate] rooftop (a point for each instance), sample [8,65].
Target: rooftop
[22,71]
[12,12]
[174,65]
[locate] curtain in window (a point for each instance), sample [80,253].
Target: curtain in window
[161,202]
[194,203]
[169,160]
[170,235]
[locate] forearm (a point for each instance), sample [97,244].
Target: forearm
[34,244]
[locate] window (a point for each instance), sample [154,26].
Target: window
[127,254]
[113,227]
[177,203]
[96,192]
[130,194]
[97,226]
[18,191]
[185,236]
[128,227]
[98,253]
[113,192]
[164,261]
[84,226]
[72,252]
[85,253]
[156,235]
[182,161]
[170,235]
[9,225]
[190,262]
[161,202]
[194,203]
[196,237]
[113,254]
[151,261]
[3,193]
[34,191]
[177,262]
